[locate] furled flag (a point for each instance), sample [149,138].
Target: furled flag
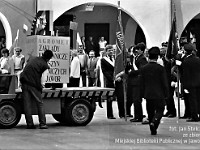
[172,48]
[120,61]
[15,44]
[78,40]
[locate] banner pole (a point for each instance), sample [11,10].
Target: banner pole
[125,97]
[178,94]
[124,80]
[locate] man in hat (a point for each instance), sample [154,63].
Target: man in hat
[190,75]
[154,89]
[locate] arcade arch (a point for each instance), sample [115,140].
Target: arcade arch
[5,27]
[102,16]
[191,33]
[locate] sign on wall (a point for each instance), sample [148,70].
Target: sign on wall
[59,64]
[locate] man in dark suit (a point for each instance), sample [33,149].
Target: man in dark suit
[91,66]
[154,89]
[171,109]
[89,45]
[129,67]
[107,66]
[190,70]
[138,62]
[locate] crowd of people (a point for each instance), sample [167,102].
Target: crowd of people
[149,74]
[158,79]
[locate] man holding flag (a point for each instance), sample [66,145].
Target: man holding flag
[172,51]
[120,64]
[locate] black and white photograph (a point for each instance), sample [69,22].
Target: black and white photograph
[99,74]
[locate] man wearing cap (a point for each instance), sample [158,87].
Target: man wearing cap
[154,89]
[190,75]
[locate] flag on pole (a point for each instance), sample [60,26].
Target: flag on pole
[120,61]
[172,48]
[15,44]
[78,40]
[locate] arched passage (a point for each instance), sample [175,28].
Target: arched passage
[191,33]
[102,16]
[7,28]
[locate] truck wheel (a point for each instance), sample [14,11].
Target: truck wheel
[10,114]
[79,113]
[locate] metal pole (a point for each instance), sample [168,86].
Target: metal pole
[173,13]
[36,6]
[124,82]
[178,94]
[125,97]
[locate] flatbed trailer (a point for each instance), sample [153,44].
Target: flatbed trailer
[74,106]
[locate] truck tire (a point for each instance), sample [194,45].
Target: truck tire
[10,114]
[78,113]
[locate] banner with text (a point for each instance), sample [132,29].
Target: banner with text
[59,64]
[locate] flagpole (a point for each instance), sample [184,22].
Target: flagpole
[178,94]
[178,73]
[173,14]
[124,81]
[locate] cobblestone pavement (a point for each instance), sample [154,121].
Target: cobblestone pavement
[102,134]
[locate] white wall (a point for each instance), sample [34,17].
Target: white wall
[153,16]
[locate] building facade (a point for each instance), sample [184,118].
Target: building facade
[145,20]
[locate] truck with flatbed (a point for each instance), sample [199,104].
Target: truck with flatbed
[73,106]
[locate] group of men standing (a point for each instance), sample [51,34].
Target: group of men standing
[146,79]
[190,79]
[154,82]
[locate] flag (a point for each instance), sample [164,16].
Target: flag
[15,44]
[78,40]
[172,48]
[120,60]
